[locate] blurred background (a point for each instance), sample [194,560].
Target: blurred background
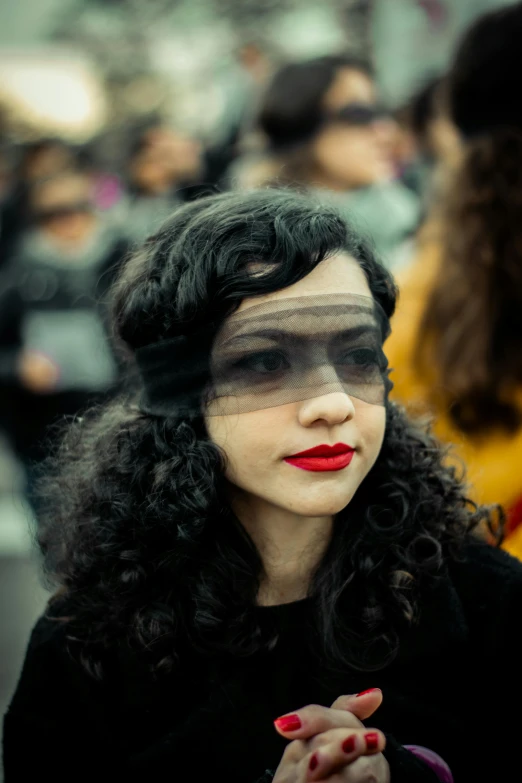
[112,112]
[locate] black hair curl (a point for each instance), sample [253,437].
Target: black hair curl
[137,532]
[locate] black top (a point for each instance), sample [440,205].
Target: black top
[455,687]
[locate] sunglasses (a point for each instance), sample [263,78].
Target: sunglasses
[46,215]
[357,114]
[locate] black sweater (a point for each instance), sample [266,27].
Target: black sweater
[455,687]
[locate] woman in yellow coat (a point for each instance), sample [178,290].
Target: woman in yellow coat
[492,456]
[456,340]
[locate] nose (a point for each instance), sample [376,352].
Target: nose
[330,409]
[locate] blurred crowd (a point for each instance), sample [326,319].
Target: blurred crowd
[435,183]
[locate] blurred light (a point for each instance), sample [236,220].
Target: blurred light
[309,32]
[52,92]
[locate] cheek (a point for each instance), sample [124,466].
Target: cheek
[247,441]
[371,422]
[334,149]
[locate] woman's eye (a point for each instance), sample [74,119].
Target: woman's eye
[362,357]
[265,362]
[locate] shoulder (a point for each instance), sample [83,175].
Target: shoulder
[482,566]
[49,634]
[395,191]
[488,582]
[49,670]
[57,704]
[473,607]
[399,201]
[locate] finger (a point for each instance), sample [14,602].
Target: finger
[365,768]
[342,750]
[362,705]
[314,719]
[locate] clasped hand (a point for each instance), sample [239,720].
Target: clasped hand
[332,744]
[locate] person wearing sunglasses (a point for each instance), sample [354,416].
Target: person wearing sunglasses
[326,131]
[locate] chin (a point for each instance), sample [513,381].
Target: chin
[384,172]
[320,508]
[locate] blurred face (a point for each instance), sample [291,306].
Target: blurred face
[184,157]
[63,208]
[150,173]
[346,154]
[257,444]
[167,158]
[47,161]
[255,61]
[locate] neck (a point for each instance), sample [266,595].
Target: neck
[156,188]
[302,168]
[319,178]
[291,547]
[323,181]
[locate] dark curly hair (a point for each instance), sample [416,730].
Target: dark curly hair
[137,531]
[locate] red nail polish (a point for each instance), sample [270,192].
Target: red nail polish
[314,761]
[372,740]
[288,723]
[349,744]
[370,690]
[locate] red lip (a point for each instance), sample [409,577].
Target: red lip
[323,458]
[324,451]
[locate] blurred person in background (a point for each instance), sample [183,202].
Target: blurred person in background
[161,163]
[328,133]
[456,344]
[242,85]
[430,141]
[54,354]
[36,160]
[43,158]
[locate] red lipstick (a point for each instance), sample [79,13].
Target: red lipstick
[322,458]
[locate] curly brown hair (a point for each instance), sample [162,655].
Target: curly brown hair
[472,324]
[472,327]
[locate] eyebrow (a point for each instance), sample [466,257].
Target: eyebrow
[281,334]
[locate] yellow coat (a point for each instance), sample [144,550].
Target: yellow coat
[494,463]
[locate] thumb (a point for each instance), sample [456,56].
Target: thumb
[362,705]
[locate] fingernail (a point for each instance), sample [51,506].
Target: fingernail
[314,761]
[349,744]
[288,723]
[372,740]
[370,690]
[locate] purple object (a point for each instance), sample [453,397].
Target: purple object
[433,760]
[107,191]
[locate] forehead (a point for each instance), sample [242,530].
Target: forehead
[340,274]
[349,86]
[316,319]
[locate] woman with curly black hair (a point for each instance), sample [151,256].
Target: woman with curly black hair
[255,531]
